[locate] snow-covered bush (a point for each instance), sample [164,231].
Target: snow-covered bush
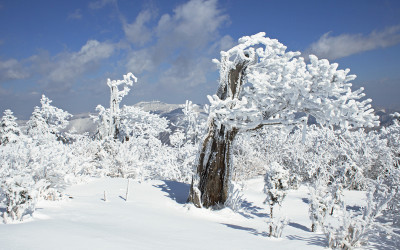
[21,193]
[9,129]
[184,155]
[17,184]
[276,185]
[276,226]
[47,122]
[319,200]
[235,199]
[138,152]
[186,138]
[354,231]
[40,164]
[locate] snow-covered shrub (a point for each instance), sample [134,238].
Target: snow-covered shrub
[184,155]
[276,185]
[235,198]
[20,190]
[81,155]
[137,152]
[9,129]
[194,125]
[186,138]
[47,122]
[392,176]
[336,201]
[249,156]
[276,226]
[319,204]
[253,150]
[352,230]
[21,195]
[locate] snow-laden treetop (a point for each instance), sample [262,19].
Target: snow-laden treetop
[279,84]
[113,84]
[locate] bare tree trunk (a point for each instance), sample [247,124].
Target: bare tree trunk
[211,184]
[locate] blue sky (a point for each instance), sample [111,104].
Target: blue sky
[68,49]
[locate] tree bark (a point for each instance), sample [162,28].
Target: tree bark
[210,187]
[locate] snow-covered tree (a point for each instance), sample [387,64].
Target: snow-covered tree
[109,120]
[9,129]
[194,126]
[263,85]
[138,152]
[135,122]
[47,121]
[115,99]
[319,200]
[276,185]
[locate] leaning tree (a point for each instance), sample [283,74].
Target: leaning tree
[262,85]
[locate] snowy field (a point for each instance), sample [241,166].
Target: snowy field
[155,216]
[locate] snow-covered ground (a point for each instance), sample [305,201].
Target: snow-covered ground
[155,216]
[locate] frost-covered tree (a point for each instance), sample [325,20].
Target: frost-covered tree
[138,152]
[186,138]
[47,121]
[276,185]
[319,200]
[194,125]
[109,120]
[116,96]
[9,129]
[263,85]
[135,122]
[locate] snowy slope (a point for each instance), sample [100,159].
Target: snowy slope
[155,217]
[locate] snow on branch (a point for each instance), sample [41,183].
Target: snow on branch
[115,83]
[279,84]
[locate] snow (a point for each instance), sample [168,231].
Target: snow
[156,217]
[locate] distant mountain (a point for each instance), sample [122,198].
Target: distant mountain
[82,123]
[385,116]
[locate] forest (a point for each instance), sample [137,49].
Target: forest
[295,122]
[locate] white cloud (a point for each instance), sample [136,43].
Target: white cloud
[186,73]
[137,32]
[76,15]
[100,4]
[12,69]
[193,24]
[333,47]
[66,67]
[140,61]
[58,73]
[183,44]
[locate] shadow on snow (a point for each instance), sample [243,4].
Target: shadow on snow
[299,226]
[318,240]
[248,229]
[177,191]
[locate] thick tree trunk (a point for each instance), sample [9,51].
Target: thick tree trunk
[210,187]
[214,168]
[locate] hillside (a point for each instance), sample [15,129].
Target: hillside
[155,217]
